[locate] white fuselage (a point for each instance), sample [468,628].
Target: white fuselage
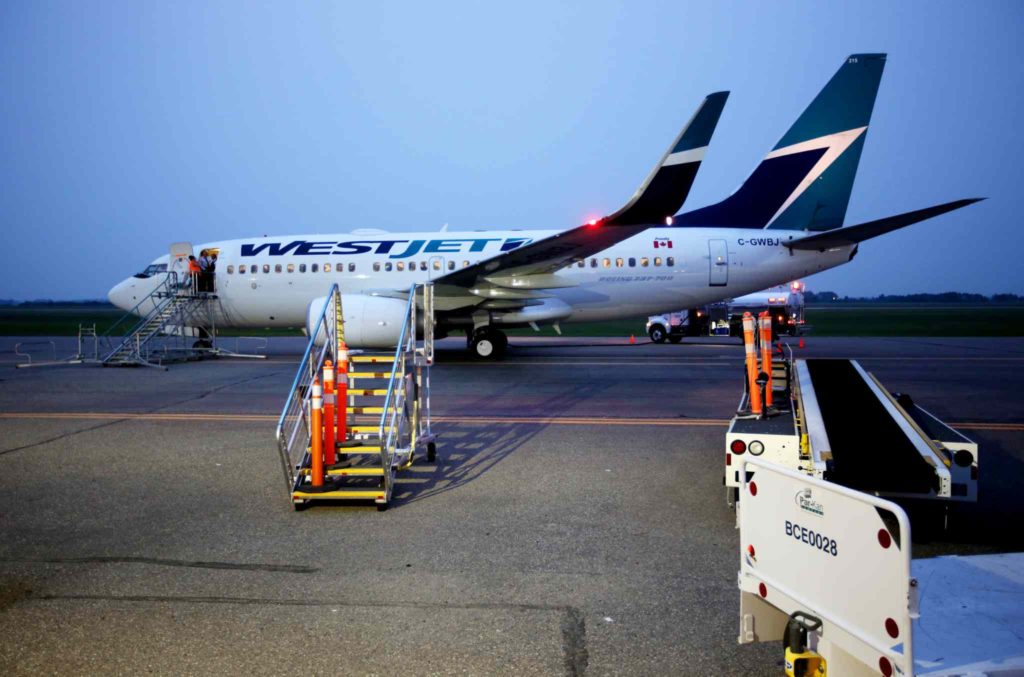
[659,270]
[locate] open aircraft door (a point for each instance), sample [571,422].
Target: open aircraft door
[718,260]
[178,261]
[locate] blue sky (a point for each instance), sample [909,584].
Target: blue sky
[126,126]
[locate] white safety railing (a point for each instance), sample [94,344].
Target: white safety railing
[405,418]
[294,425]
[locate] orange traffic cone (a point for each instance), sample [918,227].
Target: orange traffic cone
[632,340]
[801,341]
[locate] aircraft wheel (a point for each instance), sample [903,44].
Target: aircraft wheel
[657,333]
[675,339]
[488,344]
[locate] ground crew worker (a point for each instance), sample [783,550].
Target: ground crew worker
[211,271]
[205,274]
[194,271]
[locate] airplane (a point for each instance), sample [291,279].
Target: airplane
[784,222]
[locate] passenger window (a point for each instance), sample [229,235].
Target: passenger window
[670,261]
[351,268]
[644,261]
[241,269]
[231,269]
[581,263]
[465,264]
[607,263]
[632,262]
[593,263]
[327,267]
[291,267]
[277,268]
[266,267]
[657,260]
[302,267]
[618,263]
[387,266]
[400,266]
[451,265]
[314,267]
[437,265]
[423,265]
[376,266]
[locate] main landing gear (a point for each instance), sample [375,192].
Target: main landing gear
[487,343]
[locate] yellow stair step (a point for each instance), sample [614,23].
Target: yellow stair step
[369,374]
[369,410]
[357,471]
[376,392]
[374,449]
[372,359]
[355,494]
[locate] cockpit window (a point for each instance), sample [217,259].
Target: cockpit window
[152,269]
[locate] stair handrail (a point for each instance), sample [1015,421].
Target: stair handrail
[394,416]
[296,406]
[164,287]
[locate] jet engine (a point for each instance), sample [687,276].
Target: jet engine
[370,321]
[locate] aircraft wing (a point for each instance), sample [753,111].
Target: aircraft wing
[842,237]
[532,266]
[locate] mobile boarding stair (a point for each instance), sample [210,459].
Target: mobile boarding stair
[833,420]
[170,314]
[348,442]
[828,570]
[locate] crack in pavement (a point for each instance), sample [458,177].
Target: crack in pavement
[192,564]
[573,626]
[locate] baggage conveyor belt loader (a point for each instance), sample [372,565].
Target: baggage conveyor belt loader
[834,421]
[828,570]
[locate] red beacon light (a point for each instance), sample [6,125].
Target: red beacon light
[592,222]
[797,286]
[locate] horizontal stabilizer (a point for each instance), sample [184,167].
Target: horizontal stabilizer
[865,231]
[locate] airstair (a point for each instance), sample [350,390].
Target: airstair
[350,443]
[173,316]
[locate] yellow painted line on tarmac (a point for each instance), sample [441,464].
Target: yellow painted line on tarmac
[471,420]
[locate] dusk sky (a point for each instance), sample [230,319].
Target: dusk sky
[127,126]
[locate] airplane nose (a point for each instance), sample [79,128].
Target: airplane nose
[120,295]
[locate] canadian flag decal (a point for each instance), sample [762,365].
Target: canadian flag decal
[662,242]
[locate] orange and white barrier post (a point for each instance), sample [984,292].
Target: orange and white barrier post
[316,434]
[329,458]
[753,389]
[766,354]
[342,390]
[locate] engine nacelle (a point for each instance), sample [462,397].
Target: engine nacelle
[370,321]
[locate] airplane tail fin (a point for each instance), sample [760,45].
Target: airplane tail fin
[805,182]
[665,189]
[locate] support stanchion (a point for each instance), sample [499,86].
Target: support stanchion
[754,392]
[329,420]
[766,354]
[316,439]
[341,387]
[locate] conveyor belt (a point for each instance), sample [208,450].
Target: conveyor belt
[870,451]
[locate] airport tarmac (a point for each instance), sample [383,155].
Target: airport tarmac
[575,523]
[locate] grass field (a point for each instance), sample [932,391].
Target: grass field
[866,320]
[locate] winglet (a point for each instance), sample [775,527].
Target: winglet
[666,187]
